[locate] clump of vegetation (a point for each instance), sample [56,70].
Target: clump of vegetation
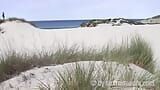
[14,64]
[98,77]
[94,23]
[22,20]
[1,21]
[17,19]
[89,24]
[155,17]
[79,79]
[141,54]
[137,51]
[14,19]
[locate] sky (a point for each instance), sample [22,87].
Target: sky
[79,9]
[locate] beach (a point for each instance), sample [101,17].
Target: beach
[25,38]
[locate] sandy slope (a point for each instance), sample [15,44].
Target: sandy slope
[22,37]
[31,79]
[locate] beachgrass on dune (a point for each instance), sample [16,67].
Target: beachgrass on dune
[16,19]
[104,76]
[136,51]
[98,77]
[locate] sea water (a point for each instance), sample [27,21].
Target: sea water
[59,24]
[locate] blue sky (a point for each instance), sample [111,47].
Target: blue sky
[79,9]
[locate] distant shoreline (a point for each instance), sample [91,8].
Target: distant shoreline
[64,24]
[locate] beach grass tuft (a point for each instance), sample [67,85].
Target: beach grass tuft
[100,77]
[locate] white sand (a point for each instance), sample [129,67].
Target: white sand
[23,38]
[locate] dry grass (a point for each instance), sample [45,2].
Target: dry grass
[95,77]
[137,51]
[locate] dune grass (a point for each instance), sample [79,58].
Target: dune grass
[78,79]
[14,64]
[141,54]
[137,51]
[17,19]
[99,77]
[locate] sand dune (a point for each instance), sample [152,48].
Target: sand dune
[24,38]
[31,79]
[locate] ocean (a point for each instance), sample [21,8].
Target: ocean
[61,24]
